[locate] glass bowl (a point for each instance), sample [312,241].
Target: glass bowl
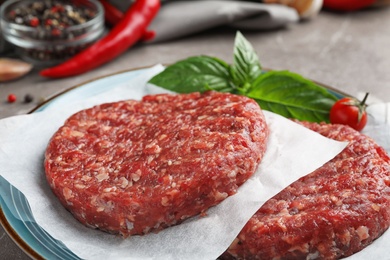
[47,32]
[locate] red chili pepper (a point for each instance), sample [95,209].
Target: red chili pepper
[123,35]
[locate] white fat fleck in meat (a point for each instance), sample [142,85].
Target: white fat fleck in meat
[157,225]
[86,178]
[109,189]
[229,147]
[162,137]
[336,201]
[247,164]
[258,225]
[106,128]
[232,174]
[376,207]
[210,145]
[146,230]
[304,248]
[123,182]
[177,162]
[202,117]
[284,212]
[313,256]
[150,159]
[173,193]
[105,144]
[208,117]
[347,194]
[362,232]
[68,194]
[75,133]
[102,176]
[153,147]
[136,175]
[165,201]
[79,186]
[129,225]
[220,195]
[217,109]
[345,238]
[282,225]
[101,204]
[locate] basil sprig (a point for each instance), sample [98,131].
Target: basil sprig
[281,92]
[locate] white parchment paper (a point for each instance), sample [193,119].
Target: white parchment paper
[293,151]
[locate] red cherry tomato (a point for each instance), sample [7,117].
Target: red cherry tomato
[347,5]
[349,111]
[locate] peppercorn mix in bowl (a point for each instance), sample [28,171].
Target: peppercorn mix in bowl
[47,32]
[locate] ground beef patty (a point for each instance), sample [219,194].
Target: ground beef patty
[134,166]
[333,212]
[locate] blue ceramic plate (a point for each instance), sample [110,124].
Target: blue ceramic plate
[15,213]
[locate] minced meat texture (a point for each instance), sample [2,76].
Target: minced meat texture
[331,213]
[132,167]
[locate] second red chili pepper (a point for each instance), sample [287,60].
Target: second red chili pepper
[124,34]
[112,15]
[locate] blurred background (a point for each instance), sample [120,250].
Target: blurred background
[343,44]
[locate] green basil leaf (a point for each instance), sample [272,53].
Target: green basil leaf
[292,96]
[246,66]
[195,74]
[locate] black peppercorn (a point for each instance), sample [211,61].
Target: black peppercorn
[28,98]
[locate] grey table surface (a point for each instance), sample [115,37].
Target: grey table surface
[350,52]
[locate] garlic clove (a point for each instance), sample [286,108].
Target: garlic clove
[11,69]
[306,9]
[312,10]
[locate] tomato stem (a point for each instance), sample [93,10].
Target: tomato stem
[364,99]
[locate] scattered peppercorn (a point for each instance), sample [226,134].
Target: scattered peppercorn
[34,22]
[28,98]
[11,98]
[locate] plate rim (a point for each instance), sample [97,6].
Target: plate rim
[15,237]
[79,85]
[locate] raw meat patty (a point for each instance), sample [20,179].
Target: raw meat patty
[131,167]
[331,213]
